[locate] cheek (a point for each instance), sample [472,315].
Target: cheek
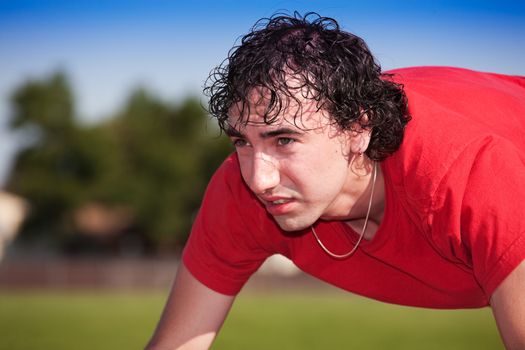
[319,175]
[245,166]
[330,160]
[318,169]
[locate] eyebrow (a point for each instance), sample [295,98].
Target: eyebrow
[232,132]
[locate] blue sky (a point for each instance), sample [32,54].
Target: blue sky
[109,47]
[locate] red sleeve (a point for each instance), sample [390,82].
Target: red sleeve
[222,252]
[478,218]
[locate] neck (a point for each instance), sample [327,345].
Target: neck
[377,208]
[367,231]
[352,204]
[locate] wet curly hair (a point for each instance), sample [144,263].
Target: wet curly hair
[334,67]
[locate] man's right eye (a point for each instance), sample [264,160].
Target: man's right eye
[239,143]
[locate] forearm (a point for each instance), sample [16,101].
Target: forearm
[200,342]
[508,306]
[192,316]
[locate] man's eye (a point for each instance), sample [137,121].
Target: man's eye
[283,141]
[239,143]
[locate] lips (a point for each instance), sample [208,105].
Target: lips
[278,205]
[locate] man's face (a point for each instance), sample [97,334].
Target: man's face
[299,170]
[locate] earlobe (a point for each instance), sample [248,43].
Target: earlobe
[359,140]
[359,135]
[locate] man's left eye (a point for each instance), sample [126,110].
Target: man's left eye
[282,141]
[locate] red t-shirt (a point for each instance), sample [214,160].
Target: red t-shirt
[453,226]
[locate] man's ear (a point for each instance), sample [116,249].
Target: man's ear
[359,136]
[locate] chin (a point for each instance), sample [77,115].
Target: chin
[293,223]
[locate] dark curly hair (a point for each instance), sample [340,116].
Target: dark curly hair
[334,67]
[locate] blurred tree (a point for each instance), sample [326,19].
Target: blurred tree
[48,170]
[167,158]
[152,158]
[47,105]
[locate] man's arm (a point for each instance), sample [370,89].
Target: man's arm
[508,306]
[192,316]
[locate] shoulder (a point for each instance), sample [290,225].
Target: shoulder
[227,183]
[453,75]
[229,202]
[461,90]
[228,190]
[453,109]
[456,113]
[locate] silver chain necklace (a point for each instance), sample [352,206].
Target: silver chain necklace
[346,255]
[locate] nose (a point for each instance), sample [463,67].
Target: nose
[265,173]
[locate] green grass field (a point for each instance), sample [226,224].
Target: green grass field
[111,320]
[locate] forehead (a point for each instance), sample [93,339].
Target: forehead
[295,109]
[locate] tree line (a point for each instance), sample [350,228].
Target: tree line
[132,181]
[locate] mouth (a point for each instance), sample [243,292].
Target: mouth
[278,206]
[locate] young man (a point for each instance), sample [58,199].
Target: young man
[404,187]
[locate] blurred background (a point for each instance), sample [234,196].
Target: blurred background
[105,152]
